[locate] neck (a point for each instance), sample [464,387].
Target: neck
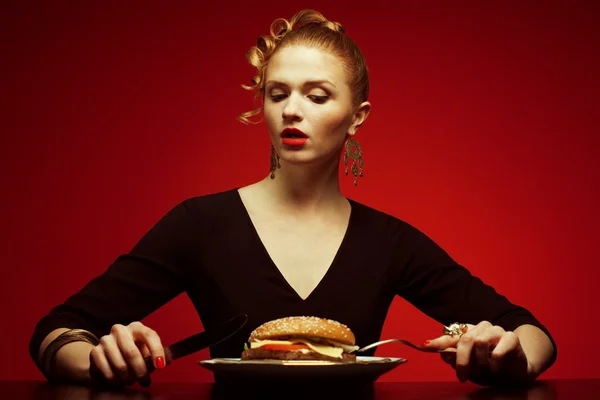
[305,187]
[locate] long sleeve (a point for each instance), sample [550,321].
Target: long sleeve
[135,285]
[444,290]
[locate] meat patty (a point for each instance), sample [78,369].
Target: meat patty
[262,354]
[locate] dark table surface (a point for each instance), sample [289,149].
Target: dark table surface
[576,389]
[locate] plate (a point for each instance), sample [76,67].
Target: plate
[364,368]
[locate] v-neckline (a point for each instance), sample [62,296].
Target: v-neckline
[274,266]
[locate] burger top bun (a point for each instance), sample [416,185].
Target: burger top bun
[305,327]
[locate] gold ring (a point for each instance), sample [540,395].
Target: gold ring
[455,329]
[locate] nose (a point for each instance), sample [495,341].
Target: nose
[291,110]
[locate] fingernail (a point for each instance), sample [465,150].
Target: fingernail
[425,343]
[160,362]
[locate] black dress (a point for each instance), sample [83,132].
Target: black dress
[207,247]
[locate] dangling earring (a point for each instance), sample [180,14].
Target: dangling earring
[354,152]
[274,161]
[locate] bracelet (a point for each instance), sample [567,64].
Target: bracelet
[72,335]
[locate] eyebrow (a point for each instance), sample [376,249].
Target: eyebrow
[308,83]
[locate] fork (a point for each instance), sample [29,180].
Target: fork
[407,343]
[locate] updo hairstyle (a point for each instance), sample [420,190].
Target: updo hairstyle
[308,28]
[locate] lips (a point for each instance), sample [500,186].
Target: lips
[293,133]
[293,137]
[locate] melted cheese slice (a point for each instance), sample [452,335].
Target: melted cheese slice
[318,348]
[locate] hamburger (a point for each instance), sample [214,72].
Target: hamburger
[301,338]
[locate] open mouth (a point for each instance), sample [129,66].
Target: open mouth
[293,134]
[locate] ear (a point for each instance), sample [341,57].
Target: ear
[359,117]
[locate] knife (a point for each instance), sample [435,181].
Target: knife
[200,341]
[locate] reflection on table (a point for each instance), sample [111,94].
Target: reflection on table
[550,389]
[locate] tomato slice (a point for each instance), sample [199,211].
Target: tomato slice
[284,347]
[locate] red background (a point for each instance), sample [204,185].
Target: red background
[484,134]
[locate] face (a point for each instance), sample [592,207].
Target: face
[308,105]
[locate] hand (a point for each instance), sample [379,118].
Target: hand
[485,354]
[119,357]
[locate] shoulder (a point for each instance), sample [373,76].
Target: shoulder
[406,244]
[373,218]
[393,229]
[205,208]
[211,202]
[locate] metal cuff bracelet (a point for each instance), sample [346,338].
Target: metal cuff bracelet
[72,335]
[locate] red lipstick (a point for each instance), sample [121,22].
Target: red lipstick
[293,137]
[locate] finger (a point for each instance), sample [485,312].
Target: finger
[131,353]
[486,339]
[151,340]
[465,348]
[508,343]
[150,367]
[99,362]
[481,327]
[484,343]
[131,377]
[444,341]
[143,349]
[492,335]
[115,358]
[440,343]
[480,356]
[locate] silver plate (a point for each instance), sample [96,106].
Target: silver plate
[364,368]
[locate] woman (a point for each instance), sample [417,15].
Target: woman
[290,244]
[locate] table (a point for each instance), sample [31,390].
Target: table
[576,389]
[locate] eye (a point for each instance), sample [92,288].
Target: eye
[318,99]
[277,97]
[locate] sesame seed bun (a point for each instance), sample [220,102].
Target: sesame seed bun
[304,327]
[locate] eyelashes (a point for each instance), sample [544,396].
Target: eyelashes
[278,97]
[315,98]
[318,99]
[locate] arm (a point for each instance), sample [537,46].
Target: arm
[538,348]
[72,360]
[433,282]
[135,285]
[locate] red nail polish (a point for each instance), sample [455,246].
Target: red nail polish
[160,362]
[425,343]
